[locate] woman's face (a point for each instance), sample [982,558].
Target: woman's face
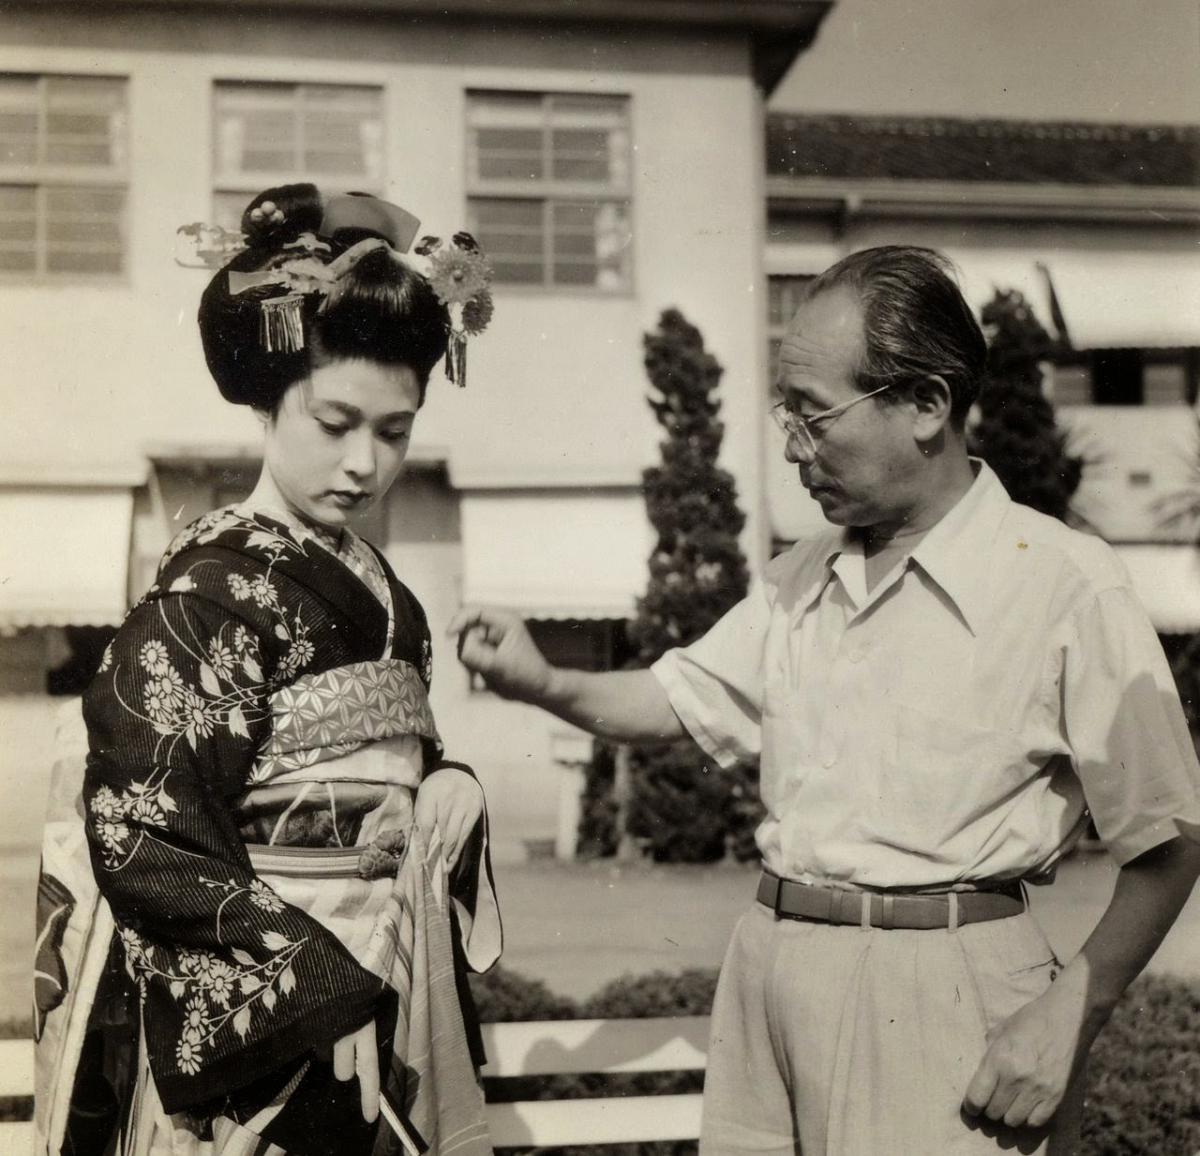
[338,439]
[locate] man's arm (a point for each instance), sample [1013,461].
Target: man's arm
[1032,1056]
[622,705]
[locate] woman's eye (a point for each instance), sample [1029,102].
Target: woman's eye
[394,436]
[333,430]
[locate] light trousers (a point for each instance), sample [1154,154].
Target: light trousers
[838,1041]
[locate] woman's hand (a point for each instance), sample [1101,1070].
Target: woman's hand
[496,645]
[357,1055]
[450,802]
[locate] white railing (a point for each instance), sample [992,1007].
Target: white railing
[539,1048]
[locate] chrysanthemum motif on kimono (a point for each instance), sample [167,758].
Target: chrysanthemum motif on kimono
[217,994]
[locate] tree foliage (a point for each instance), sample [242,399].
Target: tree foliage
[682,809]
[1016,433]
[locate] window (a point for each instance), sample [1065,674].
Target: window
[783,299]
[277,134]
[63,174]
[549,186]
[1149,377]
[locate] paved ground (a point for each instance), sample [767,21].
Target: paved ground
[577,926]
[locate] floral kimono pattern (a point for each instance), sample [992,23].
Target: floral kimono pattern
[260,696]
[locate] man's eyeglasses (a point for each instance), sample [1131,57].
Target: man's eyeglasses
[808,431]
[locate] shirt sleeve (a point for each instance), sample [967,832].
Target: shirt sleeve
[1125,726]
[235,984]
[715,685]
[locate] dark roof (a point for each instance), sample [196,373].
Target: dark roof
[1012,151]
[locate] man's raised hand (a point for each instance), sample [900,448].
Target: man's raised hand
[495,645]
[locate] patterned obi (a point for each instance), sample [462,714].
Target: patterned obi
[345,755]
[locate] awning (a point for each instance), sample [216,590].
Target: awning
[570,554]
[64,555]
[1116,298]
[1146,299]
[1167,580]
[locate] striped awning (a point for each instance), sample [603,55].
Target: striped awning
[64,555]
[566,554]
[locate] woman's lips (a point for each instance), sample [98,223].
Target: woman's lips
[348,498]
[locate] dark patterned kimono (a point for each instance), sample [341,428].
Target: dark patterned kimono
[257,731]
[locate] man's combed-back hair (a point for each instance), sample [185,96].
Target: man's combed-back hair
[382,310]
[916,321]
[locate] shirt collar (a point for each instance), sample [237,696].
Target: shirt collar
[956,553]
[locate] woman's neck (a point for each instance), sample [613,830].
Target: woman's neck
[268,498]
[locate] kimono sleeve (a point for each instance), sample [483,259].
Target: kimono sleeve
[234,983]
[715,685]
[1125,726]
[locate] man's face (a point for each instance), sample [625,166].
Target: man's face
[861,456]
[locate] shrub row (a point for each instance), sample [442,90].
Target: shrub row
[1144,1073]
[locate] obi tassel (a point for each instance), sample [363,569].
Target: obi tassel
[456,357]
[281,324]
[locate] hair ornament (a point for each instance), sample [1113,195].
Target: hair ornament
[459,273]
[300,269]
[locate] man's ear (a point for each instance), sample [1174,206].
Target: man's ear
[932,401]
[263,415]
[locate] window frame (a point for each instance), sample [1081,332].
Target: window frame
[42,177]
[549,191]
[249,182]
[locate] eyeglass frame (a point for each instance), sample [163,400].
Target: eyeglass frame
[807,430]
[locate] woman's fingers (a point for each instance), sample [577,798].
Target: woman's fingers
[357,1055]
[366,1067]
[343,1058]
[449,803]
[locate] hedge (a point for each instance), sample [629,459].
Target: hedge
[1143,1074]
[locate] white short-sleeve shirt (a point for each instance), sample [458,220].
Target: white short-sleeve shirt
[954,724]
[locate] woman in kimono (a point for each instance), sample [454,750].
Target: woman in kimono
[270,819]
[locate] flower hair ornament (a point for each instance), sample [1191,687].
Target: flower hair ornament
[458,272]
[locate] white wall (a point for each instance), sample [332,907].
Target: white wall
[557,386]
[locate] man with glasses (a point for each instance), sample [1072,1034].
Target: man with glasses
[940,688]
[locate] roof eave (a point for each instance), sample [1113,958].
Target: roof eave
[779,29]
[852,198]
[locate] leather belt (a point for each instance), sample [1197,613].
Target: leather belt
[887,910]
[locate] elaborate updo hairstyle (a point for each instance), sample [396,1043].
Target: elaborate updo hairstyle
[381,310]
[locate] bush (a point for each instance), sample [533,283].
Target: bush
[1144,1074]
[657,994]
[506,997]
[1143,1077]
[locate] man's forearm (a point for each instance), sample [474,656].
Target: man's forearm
[1149,894]
[621,705]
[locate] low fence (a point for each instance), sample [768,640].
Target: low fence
[538,1048]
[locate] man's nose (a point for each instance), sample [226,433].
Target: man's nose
[795,451]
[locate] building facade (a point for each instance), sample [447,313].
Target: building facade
[1106,217]
[609,157]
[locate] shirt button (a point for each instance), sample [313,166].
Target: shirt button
[857,654]
[828,761]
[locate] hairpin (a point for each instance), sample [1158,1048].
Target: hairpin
[461,276]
